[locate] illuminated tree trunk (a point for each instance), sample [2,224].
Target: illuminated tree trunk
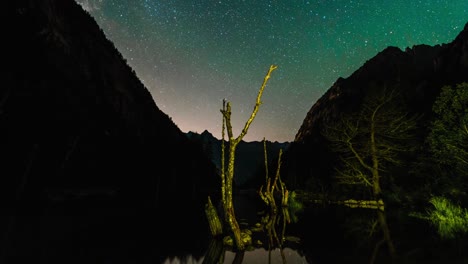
[228,176]
[268,195]
[216,228]
[376,185]
[230,215]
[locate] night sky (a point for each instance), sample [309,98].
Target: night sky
[191,54]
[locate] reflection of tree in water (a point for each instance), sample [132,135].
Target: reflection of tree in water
[275,189]
[269,233]
[215,253]
[349,226]
[364,228]
[272,223]
[232,227]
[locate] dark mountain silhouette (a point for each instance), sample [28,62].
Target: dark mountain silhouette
[249,171]
[81,136]
[75,116]
[417,74]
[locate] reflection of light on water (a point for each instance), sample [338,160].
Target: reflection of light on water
[261,256]
[185,260]
[255,256]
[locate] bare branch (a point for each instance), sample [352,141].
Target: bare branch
[257,103]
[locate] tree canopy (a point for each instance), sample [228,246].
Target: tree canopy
[369,142]
[448,137]
[449,134]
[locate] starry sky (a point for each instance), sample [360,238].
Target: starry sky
[191,54]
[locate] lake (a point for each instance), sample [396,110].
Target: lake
[338,234]
[316,234]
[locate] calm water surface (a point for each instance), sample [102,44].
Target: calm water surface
[339,234]
[317,234]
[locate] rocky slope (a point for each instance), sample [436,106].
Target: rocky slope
[77,123]
[417,73]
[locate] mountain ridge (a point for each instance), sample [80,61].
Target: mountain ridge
[75,105]
[417,73]
[253,141]
[250,162]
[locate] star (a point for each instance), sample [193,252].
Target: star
[190,55]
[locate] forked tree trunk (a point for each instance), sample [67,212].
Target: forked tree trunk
[227,177]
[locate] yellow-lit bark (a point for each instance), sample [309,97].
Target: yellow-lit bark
[268,195]
[228,176]
[214,223]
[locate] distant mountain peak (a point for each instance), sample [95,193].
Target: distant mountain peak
[249,156]
[206,133]
[417,73]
